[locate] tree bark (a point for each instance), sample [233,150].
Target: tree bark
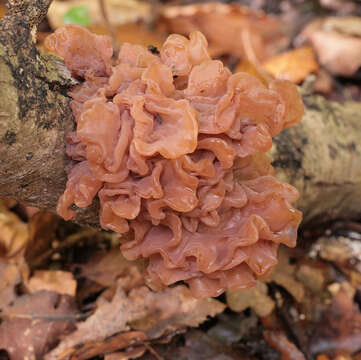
[34,110]
[321,156]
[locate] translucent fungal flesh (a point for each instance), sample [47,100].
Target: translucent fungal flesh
[173,146]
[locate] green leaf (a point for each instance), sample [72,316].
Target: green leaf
[77,15]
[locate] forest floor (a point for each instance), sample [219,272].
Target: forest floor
[66,292]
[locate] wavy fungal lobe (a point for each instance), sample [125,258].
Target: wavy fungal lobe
[173,146]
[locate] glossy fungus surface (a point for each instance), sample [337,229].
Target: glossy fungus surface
[172,145]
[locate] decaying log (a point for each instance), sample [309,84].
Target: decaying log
[34,110]
[321,156]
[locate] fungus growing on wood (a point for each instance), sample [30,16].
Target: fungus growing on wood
[173,146]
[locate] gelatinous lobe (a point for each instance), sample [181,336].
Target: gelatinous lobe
[172,146]
[81,50]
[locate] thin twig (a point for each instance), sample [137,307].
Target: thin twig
[152,351]
[109,26]
[49,317]
[68,242]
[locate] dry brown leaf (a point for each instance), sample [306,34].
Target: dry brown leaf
[14,233]
[324,82]
[231,328]
[337,43]
[311,277]
[138,34]
[344,252]
[256,70]
[345,286]
[339,54]
[322,357]
[3,10]
[106,268]
[30,211]
[10,277]
[354,277]
[294,65]
[338,331]
[133,33]
[34,324]
[278,340]
[338,249]
[61,282]
[129,354]
[255,298]
[118,11]
[170,310]
[341,6]
[9,203]
[200,346]
[229,28]
[154,313]
[348,25]
[117,342]
[42,233]
[284,275]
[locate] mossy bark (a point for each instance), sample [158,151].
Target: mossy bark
[321,156]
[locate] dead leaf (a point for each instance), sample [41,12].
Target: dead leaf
[348,25]
[136,33]
[199,346]
[9,203]
[255,298]
[324,82]
[117,342]
[338,331]
[322,357]
[128,354]
[132,353]
[294,65]
[3,10]
[284,275]
[34,323]
[312,277]
[254,69]
[337,43]
[118,11]
[133,33]
[170,310]
[230,329]
[61,282]
[339,249]
[42,233]
[153,313]
[344,252]
[106,267]
[339,54]
[10,277]
[229,28]
[345,286]
[342,6]
[14,233]
[278,340]
[30,211]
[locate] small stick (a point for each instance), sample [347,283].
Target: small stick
[68,242]
[108,25]
[49,317]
